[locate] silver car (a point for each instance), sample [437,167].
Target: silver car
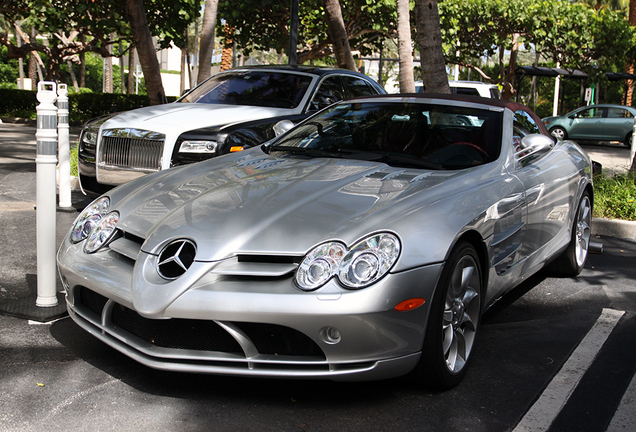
[364,243]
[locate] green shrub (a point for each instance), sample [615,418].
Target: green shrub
[74,161]
[83,105]
[615,196]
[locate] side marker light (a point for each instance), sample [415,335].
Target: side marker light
[409,304]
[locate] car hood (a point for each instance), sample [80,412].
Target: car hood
[187,116]
[252,203]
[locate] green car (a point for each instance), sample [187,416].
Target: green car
[595,123]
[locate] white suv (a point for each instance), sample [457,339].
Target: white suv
[471,88]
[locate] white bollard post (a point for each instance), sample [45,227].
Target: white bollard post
[45,161]
[64,150]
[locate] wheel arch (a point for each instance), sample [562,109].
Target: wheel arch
[475,239]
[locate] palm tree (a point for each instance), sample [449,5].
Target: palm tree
[207,40]
[405,50]
[429,38]
[338,34]
[146,51]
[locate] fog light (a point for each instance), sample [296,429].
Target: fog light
[330,335]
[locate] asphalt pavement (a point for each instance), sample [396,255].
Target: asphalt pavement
[57,377]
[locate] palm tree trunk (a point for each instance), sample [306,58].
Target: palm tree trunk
[146,50]
[629,68]
[338,34]
[207,40]
[405,49]
[429,38]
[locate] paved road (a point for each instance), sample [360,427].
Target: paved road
[554,355]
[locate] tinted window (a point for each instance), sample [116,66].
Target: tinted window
[525,123]
[255,88]
[590,113]
[465,91]
[329,91]
[358,87]
[619,113]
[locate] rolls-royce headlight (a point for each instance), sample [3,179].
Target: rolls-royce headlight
[198,147]
[89,218]
[319,265]
[365,263]
[102,232]
[369,260]
[90,135]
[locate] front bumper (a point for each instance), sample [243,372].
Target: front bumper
[249,326]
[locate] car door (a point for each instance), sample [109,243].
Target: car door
[546,187]
[618,124]
[586,124]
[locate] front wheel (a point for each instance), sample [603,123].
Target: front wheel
[453,321]
[570,263]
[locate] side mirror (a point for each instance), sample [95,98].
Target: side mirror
[282,126]
[533,145]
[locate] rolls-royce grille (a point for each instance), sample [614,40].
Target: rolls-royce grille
[132,152]
[203,335]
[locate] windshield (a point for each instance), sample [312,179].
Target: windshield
[254,88]
[401,134]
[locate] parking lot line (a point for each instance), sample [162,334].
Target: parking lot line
[625,417]
[547,407]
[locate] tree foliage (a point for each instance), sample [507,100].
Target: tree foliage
[574,34]
[264,24]
[103,22]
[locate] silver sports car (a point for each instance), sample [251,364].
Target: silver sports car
[364,243]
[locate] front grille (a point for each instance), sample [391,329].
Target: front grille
[279,340]
[140,153]
[93,301]
[203,335]
[184,334]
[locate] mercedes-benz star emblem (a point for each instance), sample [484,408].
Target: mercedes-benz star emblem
[176,258]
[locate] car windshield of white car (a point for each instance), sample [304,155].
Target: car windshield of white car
[399,134]
[253,88]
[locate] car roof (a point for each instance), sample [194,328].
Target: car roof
[314,70]
[606,106]
[471,84]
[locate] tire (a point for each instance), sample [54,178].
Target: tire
[559,133]
[453,321]
[628,140]
[571,262]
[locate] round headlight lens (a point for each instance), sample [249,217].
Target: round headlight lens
[365,263]
[102,232]
[369,260]
[319,265]
[88,219]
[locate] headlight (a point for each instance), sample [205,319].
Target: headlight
[89,218]
[365,263]
[320,265]
[90,136]
[198,147]
[102,232]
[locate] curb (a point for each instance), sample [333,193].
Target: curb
[614,228]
